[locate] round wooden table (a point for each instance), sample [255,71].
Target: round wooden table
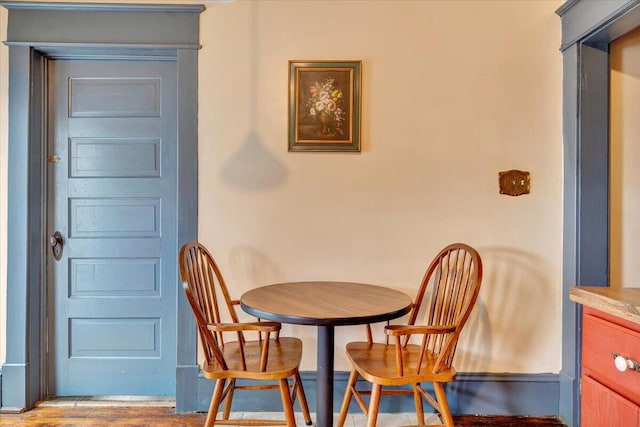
[325,305]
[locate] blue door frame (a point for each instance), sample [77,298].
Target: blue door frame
[587,29]
[36,32]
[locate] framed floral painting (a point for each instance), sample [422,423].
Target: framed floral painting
[324,105]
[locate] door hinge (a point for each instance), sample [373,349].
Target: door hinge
[53,158]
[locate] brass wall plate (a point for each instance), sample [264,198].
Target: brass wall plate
[514,182]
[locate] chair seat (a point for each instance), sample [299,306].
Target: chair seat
[377,364]
[284,358]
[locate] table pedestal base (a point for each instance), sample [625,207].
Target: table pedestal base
[324,377]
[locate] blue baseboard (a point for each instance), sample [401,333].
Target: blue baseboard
[14,379]
[471,394]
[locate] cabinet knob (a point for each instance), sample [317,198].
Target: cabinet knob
[623,363]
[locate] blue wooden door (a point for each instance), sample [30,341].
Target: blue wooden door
[112,191]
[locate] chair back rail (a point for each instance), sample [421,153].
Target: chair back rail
[227,360]
[424,347]
[197,271]
[451,286]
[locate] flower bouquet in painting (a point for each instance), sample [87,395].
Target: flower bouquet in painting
[324,107]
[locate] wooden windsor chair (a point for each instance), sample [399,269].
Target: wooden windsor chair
[270,359]
[452,283]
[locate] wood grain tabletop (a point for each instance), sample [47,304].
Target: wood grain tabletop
[325,303]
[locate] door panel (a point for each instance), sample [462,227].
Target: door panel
[112,196]
[114,157]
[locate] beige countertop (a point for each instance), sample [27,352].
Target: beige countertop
[620,302]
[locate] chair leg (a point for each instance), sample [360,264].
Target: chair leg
[445,413]
[215,402]
[353,378]
[417,398]
[287,405]
[228,400]
[302,399]
[376,391]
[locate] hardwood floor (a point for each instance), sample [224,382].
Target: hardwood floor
[101,416]
[163,415]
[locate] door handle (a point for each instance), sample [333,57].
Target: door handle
[56,242]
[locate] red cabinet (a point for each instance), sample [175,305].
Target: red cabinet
[610,392]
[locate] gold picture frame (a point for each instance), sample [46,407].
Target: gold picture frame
[325,105]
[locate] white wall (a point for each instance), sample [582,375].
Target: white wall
[453,93]
[624,154]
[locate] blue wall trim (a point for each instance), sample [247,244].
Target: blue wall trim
[14,375]
[119,7]
[470,394]
[582,19]
[187,365]
[102,23]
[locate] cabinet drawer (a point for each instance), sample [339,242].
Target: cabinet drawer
[603,407]
[602,338]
